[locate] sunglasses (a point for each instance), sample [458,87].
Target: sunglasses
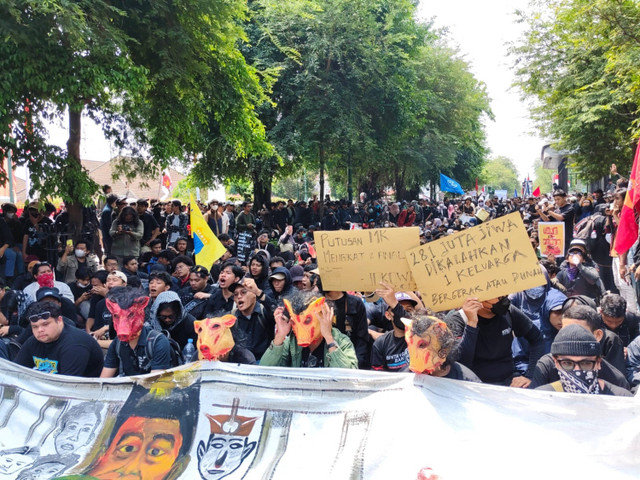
[39,316]
[569,365]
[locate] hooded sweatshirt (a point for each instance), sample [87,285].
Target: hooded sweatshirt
[288,284]
[182,329]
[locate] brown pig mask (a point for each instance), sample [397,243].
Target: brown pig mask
[305,324]
[429,341]
[214,337]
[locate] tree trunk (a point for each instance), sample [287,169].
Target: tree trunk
[321,159]
[74,228]
[261,191]
[400,186]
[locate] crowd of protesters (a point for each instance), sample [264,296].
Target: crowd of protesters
[578,333]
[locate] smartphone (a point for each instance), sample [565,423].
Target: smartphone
[70,242]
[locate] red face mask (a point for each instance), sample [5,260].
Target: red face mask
[46,280]
[305,325]
[128,322]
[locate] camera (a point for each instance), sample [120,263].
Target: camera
[126,228]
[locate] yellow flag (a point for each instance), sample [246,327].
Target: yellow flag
[206,246]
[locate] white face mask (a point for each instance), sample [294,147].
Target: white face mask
[80,253]
[10,214]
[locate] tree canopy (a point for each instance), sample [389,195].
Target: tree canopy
[501,174]
[577,62]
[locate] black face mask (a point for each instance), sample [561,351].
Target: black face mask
[501,307]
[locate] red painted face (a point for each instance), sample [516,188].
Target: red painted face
[128,322]
[214,337]
[426,352]
[305,325]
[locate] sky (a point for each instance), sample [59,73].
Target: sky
[481,31]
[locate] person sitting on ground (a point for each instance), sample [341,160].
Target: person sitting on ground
[100,326]
[578,274]
[167,314]
[81,290]
[128,353]
[56,347]
[585,316]
[181,267]
[195,295]
[110,263]
[43,274]
[616,318]
[313,344]
[577,357]
[254,322]
[221,299]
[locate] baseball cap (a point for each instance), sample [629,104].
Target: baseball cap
[404,297]
[47,292]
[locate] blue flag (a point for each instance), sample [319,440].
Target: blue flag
[450,185]
[515,192]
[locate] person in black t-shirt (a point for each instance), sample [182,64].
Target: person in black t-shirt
[56,347]
[389,352]
[616,318]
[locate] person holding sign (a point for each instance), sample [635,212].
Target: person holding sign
[564,212]
[486,330]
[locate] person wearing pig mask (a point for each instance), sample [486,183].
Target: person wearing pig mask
[578,274]
[216,341]
[127,354]
[314,343]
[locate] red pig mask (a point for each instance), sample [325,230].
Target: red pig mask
[305,325]
[428,347]
[214,337]
[128,322]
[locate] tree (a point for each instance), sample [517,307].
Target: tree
[501,174]
[578,62]
[161,77]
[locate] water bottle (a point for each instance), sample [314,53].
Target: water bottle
[189,352]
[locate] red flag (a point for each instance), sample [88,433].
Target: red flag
[536,192]
[476,184]
[627,233]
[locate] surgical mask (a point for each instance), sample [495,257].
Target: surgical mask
[82,284]
[80,253]
[501,307]
[9,214]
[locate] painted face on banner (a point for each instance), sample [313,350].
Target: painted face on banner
[128,322]
[77,432]
[214,337]
[143,448]
[305,325]
[429,350]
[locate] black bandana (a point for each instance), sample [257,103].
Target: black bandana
[580,381]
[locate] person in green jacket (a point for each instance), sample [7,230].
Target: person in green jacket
[314,343]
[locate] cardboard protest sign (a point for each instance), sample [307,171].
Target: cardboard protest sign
[361,259]
[551,236]
[487,261]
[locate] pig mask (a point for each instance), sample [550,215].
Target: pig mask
[429,341]
[214,337]
[128,322]
[305,325]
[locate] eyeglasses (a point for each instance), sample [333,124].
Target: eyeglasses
[39,316]
[569,365]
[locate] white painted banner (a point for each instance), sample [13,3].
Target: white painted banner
[234,422]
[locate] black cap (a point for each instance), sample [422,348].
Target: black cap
[47,292]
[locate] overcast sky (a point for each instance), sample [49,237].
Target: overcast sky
[480,30]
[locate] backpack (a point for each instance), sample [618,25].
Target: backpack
[152,338]
[585,230]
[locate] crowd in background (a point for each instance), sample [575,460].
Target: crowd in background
[145,246]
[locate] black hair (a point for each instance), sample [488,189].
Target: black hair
[176,203]
[154,242]
[127,259]
[125,297]
[613,305]
[82,273]
[163,276]
[182,259]
[182,405]
[235,269]
[84,242]
[111,199]
[128,211]
[105,187]
[276,259]
[36,267]
[133,281]
[223,237]
[167,254]
[101,275]
[37,308]
[109,257]
[585,314]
